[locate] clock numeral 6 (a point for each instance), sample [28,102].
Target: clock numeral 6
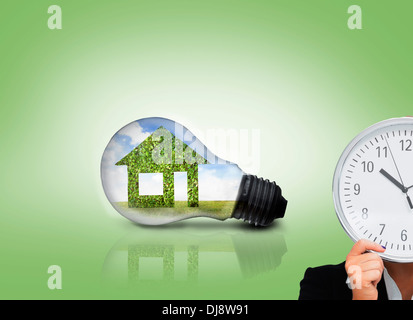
[403,235]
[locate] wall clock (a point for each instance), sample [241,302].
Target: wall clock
[373,187]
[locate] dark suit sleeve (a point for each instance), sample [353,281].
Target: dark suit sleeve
[325,283]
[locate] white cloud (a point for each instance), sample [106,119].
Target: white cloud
[135,132]
[181,186]
[115,178]
[212,187]
[115,183]
[112,154]
[150,184]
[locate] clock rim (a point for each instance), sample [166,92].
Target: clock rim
[337,175]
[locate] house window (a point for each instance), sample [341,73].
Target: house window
[150,184]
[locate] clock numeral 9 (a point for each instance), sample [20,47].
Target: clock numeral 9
[406,145]
[368,166]
[357,189]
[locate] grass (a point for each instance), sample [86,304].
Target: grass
[215,209]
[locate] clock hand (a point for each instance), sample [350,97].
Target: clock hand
[394,161]
[398,185]
[409,201]
[393,180]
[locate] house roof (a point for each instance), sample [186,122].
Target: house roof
[162,148]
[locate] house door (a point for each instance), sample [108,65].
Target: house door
[181,186]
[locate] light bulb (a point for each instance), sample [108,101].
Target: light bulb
[155,171]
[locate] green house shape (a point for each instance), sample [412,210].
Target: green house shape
[162,152]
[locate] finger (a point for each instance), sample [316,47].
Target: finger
[364,262]
[372,265]
[366,257]
[372,276]
[363,245]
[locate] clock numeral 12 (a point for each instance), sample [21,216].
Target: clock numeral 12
[406,145]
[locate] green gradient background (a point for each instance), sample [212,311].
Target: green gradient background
[290,68]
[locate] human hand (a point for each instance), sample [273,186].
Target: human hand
[364,269]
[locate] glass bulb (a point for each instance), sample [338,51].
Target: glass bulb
[155,171]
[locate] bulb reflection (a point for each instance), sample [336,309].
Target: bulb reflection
[164,256]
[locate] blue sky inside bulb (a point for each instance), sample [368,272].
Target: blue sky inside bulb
[216,179]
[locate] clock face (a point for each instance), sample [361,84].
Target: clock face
[373,188]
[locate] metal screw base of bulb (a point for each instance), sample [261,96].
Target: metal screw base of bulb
[259,201]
